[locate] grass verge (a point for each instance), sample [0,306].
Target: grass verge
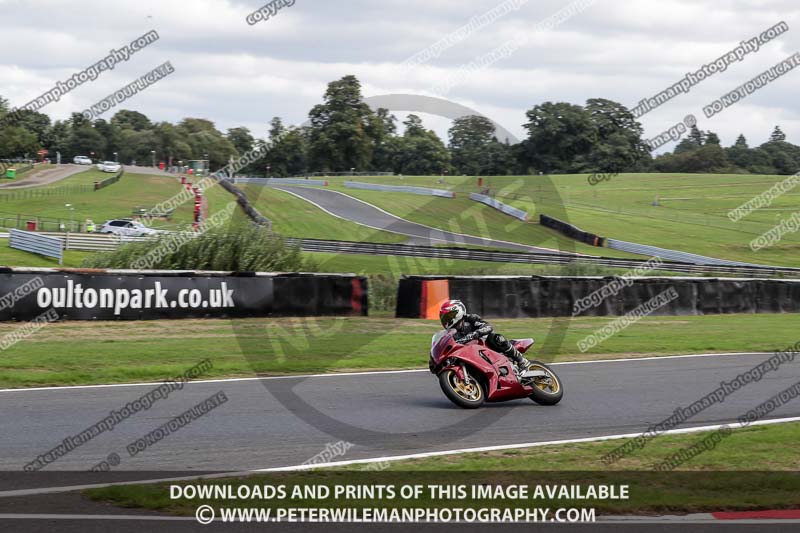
[717,480]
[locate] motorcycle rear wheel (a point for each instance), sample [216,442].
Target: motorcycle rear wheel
[546,391]
[465,395]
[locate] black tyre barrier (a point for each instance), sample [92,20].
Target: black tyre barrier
[573,232]
[543,296]
[147,295]
[244,203]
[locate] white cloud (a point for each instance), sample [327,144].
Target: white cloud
[237,74]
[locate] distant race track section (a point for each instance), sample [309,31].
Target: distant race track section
[29,294]
[400,188]
[544,296]
[281,181]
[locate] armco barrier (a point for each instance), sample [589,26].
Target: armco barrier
[573,232]
[672,255]
[36,243]
[147,295]
[500,206]
[551,296]
[281,181]
[400,188]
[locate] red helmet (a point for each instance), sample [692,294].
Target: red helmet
[451,313]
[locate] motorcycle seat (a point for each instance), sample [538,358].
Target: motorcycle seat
[523,344]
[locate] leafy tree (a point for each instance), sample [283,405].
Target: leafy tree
[777,135]
[338,137]
[196,125]
[171,144]
[739,154]
[241,138]
[558,133]
[783,157]
[381,129]
[420,152]
[16,141]
[288,151]
[131,120]
[687,144]
[34,122]
[619,145]
[470,139]
[712,138]
[697,136]
[84,140]
[56,138]
[112,136]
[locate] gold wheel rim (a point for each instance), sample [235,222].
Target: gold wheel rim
[469,391]
[548,384]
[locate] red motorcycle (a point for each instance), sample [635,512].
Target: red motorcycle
[472,373]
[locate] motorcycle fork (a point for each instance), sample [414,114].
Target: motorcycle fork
[464,374]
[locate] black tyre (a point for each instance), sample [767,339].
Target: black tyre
[546,390]
[466,395]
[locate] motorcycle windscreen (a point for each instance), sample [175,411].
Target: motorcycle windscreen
[438,337]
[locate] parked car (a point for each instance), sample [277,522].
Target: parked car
[126,227]
[110,166]
[82,160]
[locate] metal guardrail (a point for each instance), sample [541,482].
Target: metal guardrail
[433,252]
[280,181]
[673,255]
[500,206]
[400,188]
[344,173]
[37,244]
[94,242]
[106,242]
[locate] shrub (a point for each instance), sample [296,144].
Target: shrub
[241,249]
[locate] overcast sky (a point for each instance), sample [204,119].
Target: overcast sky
[237,74]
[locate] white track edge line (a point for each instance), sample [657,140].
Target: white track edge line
[366,373]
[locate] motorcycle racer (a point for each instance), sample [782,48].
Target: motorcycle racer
[453,315]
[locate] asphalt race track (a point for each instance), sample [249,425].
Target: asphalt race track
[354,210]
[383,414]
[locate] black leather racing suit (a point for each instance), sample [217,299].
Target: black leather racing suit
[473,327]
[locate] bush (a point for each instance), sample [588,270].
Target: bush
[382,292]
[241,249]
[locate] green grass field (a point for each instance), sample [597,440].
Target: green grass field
[691,214]
[18,258]
[114,201]
[719,479]
[72,353]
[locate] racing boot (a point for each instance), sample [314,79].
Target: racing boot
[521,364]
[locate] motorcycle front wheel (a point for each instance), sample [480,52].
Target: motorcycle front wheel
[547,390]
[466,395]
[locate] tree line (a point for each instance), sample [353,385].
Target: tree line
[343,134]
